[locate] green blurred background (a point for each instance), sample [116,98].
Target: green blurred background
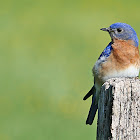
[47,51]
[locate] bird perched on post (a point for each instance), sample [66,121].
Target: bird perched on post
[119,59]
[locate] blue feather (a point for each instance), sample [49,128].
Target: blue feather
[128,34]
[107,51]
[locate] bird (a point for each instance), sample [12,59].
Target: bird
[119,59]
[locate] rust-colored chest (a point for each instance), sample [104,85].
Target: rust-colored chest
[124,54]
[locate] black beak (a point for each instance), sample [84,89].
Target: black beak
[105,29]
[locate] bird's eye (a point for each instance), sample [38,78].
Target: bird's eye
[119,30]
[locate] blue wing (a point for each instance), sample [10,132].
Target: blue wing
[106,52]
[94,107]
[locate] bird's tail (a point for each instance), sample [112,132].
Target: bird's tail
[94,106]
[91,92]
[92,111]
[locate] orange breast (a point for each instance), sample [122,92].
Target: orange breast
[124,53]
[122,56]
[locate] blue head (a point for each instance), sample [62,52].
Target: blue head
[122,31]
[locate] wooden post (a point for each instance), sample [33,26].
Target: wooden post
[119,110]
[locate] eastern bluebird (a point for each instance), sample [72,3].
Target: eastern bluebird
[119,59]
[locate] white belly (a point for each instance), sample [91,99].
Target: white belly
[131,71]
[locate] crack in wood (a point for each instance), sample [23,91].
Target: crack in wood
[119,110]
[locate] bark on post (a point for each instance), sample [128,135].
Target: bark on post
[119,110]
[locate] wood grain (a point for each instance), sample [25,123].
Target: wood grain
[119,110]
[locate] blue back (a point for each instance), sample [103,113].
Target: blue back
[106,52]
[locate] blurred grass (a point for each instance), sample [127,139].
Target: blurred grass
[47,50]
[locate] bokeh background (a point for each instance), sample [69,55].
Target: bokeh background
[47,51]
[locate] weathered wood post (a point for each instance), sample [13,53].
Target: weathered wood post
[119,110]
